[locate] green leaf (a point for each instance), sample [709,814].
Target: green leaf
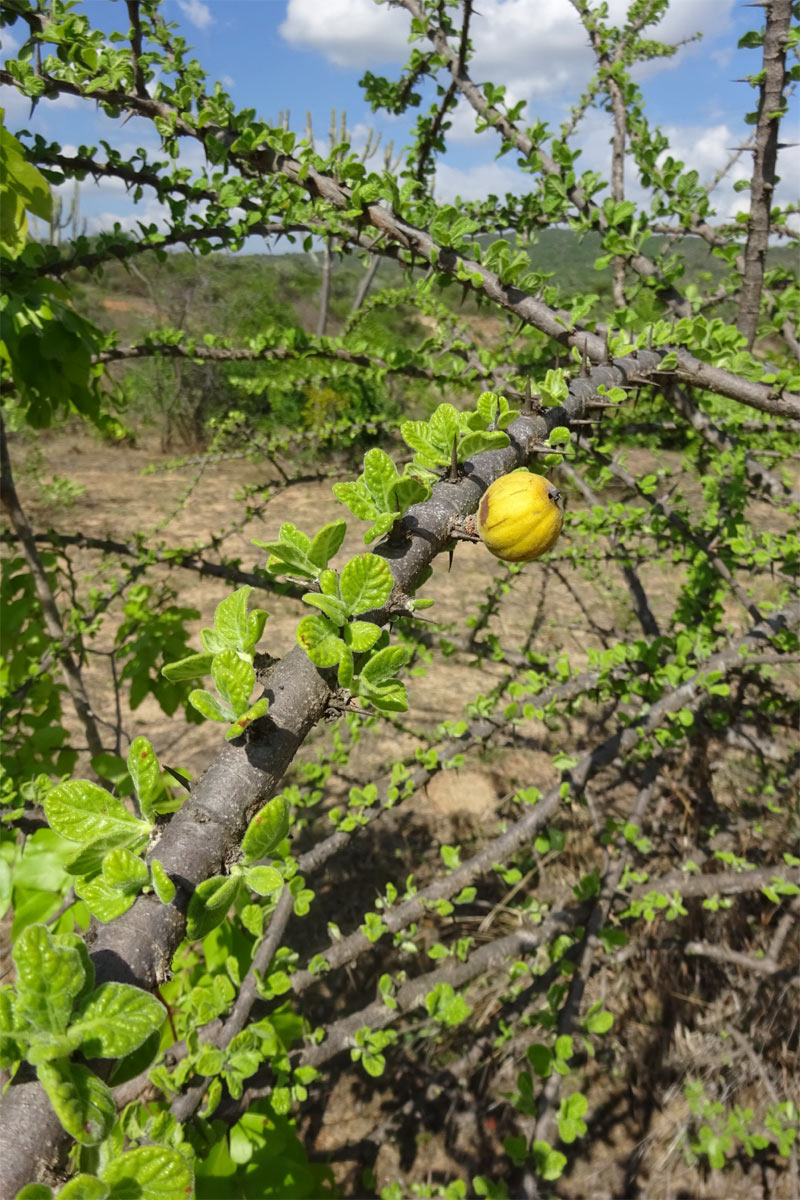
[103,902]
[366,583]
[267,829]
[446,1005]
[320,639]
[417,436]
[90,858]
[549,1163]
[444,425]
[116,1019]
[326,543]
[81,1101]
[82,812]
[145,773]
[291,551]
[139,1060]
[389,696]
[193,667]
[12,1048]
[333,608]
[230,618]
[234,679]
[380,474]
[34,1191]
[381,525]
[22,188]
[476,443]
[84,1187]
[344,675]
[263,880]
[73,942]
[384,664]
[208,706]
[355,497]
[163,886]
[361,636]
[209,904]
[49,978]
[246,718]
[149,1173]
[125,873]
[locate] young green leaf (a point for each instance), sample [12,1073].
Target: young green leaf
[115,1020]
[263,880]
[234,679]
[128,1066]
[209,707]
[149,1173]
[49,978]
[320,639]
[333,608]
[84,1187]
[361,636]
[380,474]
[209,904]
[384,664]
[366,583]
[145,773]
[89,859]
[104,902]
[296,554]
[444,426]
[326,543]
[267,829]
[192,667]
[346,668]
[81,1101]
[389,695]
[123,872]
[231,621]
[356,497]
[82,812]
[163,886]
[253,713]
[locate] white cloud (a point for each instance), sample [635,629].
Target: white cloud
[708,150]
[8,43]
[475,183]
[197,13]
[350,33]
[543,50]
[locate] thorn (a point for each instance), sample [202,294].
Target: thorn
[584,371]
[450,559]
[178,778]
[452,475]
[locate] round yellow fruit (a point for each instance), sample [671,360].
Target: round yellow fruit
[520,516]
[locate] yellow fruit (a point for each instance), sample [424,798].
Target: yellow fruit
[519,517]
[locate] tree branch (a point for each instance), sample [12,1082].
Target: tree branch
[763,179]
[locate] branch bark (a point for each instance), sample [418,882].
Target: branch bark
[764,177]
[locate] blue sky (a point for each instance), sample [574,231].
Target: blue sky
[304,55]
